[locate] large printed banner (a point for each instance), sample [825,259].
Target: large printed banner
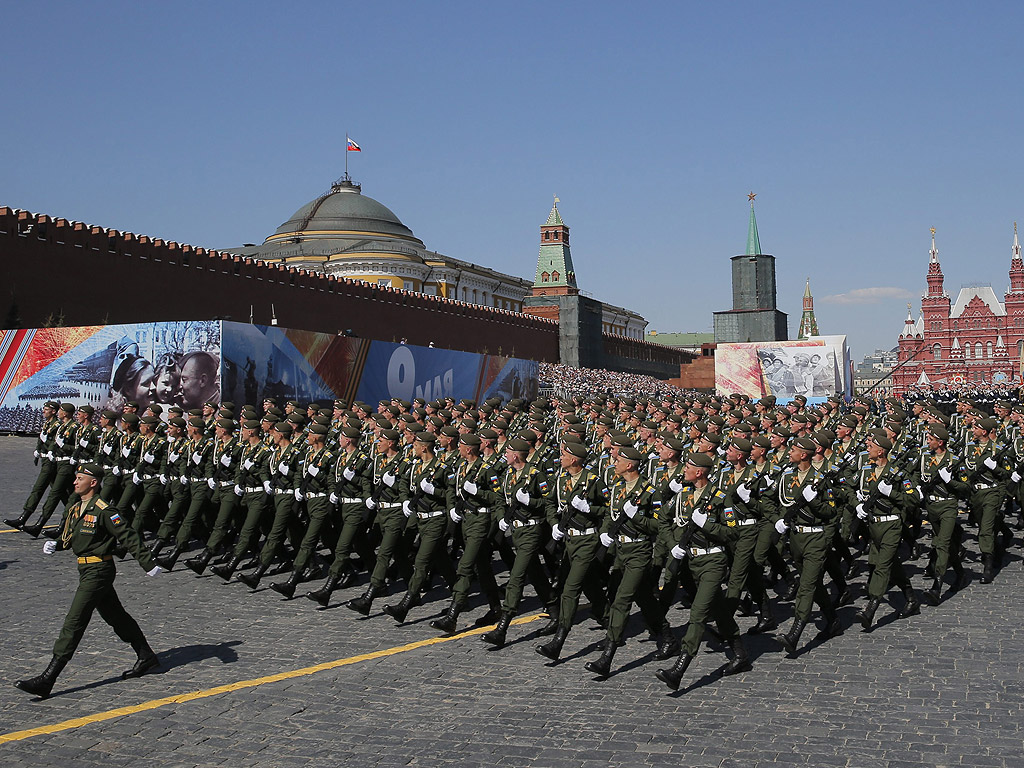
[189,363]
[816,368]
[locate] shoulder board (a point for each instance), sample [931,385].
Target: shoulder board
[101,504]
[719,494]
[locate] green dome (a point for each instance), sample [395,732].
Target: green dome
[345,209]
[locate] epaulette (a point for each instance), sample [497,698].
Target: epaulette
[101,504]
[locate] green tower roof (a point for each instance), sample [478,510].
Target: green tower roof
[554,262]
[753,242]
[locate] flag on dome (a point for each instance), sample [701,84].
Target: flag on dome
[352,146]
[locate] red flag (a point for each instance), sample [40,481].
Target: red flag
[353,147]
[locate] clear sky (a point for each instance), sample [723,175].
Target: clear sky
[859,126]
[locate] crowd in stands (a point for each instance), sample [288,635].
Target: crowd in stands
[569,381]
[20,419]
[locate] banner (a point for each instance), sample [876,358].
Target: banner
[816,368]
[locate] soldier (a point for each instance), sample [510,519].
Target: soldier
[43,457]
[146,476]
[171,473]
[92,530]
[63,451]
[986,476]
[221,469]
[197,453]
[108,456]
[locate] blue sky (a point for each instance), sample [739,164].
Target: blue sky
[859,126]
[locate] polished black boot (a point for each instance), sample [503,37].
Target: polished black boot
[401,610]
[551,625]
[913,605]
[41,685]
[198,564]
[833,626]
[794,584]
[33,531]
[867,614]
[252,580]
[491,617]
[932,595]
[167,561]
[791,638]
[322,596]
[603,666]
[740,661]
[287,588]
[158,546]
[988,572]
[361,604]
[497,635]
[146,661]
[766,621]
[225,570]
[668,646]
[672,677]
[17,522]
[552,649]
[449,621]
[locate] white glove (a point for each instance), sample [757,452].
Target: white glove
[84,442]
[630,509]
[946,475]
[157,570]
[149,458]
[470,488]
[283,469]
[225,460]
[780,526]
[503,525]
[116,471]
[299,496]
[60,441]
[172,457]
[861,512]
[238,490]
[743,492]
[678,552]
[455,516]
[607,540]
[348,474]
[106,449]
[884,488]
[135,478]
[127,451]
[861,496]
[522,496]
[333,498]
[1015,476]
[35,454]
[371,504]
[580,503]
[990,463]
[163,479]
[556,533]
[406,508]
[809,493]
[197,458]
[427,486]
[266,486]
[212,483]
[312,470]
[699,518]
[49,547]
[248,464]
[183,480]
[674,485]
[388,479]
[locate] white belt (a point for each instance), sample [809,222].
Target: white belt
[315,495]
[394,505]
[224,483]
[70,460]
[697,551]
[627,539]
[258,489]
[149,477]
[984,486]
[940,498]
[478,510]
[279,492]
[347,500]
[578,532]
[524,523]
[808,529]
[884,518]
[751,521]
[428,515]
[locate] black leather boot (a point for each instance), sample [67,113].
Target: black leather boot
[668,646]
[867,614]
[146,661]
[449,621]
[551,625]
[158,546]
[833,626]
[33,531]
[287,588]
[497,635]
[740,661]
[252,580]
[845,597]
[225,570]
[491,617]
[603,666]
[552,649]
[961,576]
[322,596]
[766,621]
[913,605]
[198,564]
[794,584]
[41,685]
[933,593]
[791,638]
[167,561]
[988,572]
[17,522]
[361,604]
[401,610]
[672,677]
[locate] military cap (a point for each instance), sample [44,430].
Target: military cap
[319,429]
[800,399]
[781,431]
[429,438]
[487,434]
[630,453]
[824,438]
[91,469]
[341,405]
[499,424]
[436,421]
[650,425]
[275,411]
[805,444]
[177,410]
[132,404]
[768,401]
[228,404]
[350,432]
[109,415]
[270,418]
[198,423]
[761,440]
[176,421]
[882,442]
[988,424]
[622,440]
[130,419]
[227,424]
[284,427]
[68,408]
[151,420]
[741,444]
[390,434]
[470,439]
[518,445]
[849,422]
[51,404]
[250,424]
[213,403]
[449,431]
[700,460]
[324,421]
[938,432]
[226,413]
[675,444]
[716,419]
[156,408]
[743,428]
[293,403]
[577,449]
[88,410]
[195,412]
[415,427]
[860,410]
[713,438]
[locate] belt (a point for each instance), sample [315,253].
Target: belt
[94,559]
[808,529]
[984,486]
[939,498]
[347,500]
[524,523]
[394,505]
[578,532]
[741,523]
[428,515]
[478,510]
[697,551]
[315,495]
[148,477]
[628,539]
[258,489]
[884,518]
[279,492]
[224,483]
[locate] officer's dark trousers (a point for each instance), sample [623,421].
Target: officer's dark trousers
[95,593]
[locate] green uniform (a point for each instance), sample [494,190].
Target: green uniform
[423,492]
[197,468]
[524,521]
[352,485]
[473,489]
[390,518]
[251,489]
[47,465]
[809,537]
[885,524]
[318,485]
[64,445]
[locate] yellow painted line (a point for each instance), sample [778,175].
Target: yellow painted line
[183,698]
[17,530]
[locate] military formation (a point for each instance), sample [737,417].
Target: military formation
[726,504]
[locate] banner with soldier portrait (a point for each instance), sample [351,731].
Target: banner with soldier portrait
[815,368]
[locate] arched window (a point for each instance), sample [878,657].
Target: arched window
[554,277]
[1020,349]
[977,350]
[956,325]
[988,349]
[937,352]
[967,351]
[544,276]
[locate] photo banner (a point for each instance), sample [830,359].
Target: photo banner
[816,368]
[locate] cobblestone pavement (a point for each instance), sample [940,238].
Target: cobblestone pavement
[943,688]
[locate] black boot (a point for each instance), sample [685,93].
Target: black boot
[552,649]
[198,564]
[845,597]
[33,531]
[932,595]
[671,677]
[449,621]
[146,661]
[989,569]
[491,617]
[401,610]
[668,646]
[288,588]
[497,635]
[252,580]
[740,661]
[961,576]
[766,621]
[167,561]
[41,685]
[322,596]
[913,605]
[833,626]
[791,638]
[551,625]
[158,546]
[603,666]
[867,614]
[17,522]
[225,570]
[361,604]
[794,584]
